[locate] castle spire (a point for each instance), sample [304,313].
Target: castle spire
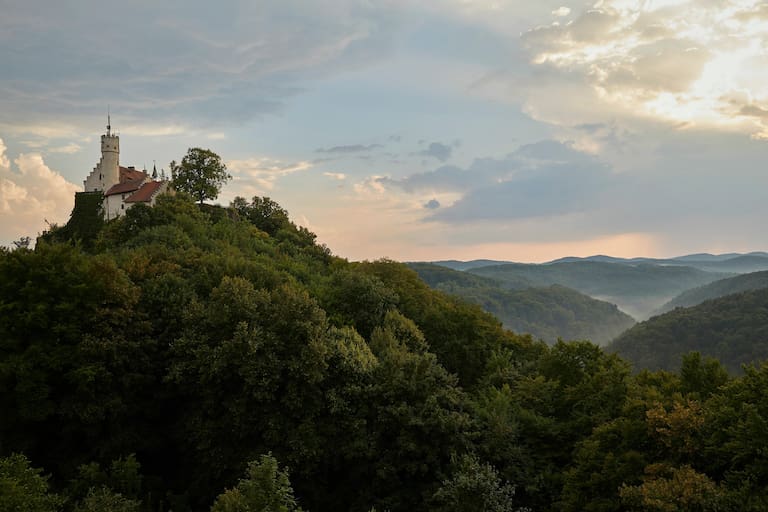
[109,121]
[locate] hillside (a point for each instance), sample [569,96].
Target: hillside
[733,329]
[467,265]
[720,288]
[189,357]
[730,262]
[637,289]
[547,313]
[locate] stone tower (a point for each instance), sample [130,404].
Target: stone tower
[107,171]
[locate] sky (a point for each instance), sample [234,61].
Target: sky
[448,129]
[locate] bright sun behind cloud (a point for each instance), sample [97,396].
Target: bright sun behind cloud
[702,64]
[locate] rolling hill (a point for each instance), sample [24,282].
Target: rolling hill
[547,313]
[736,284]
[734,329]
[730,262]
[637,289]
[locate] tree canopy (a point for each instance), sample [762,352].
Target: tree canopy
[153,367]
[201,174]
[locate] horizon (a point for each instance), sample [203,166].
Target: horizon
[735,254]
[453,130]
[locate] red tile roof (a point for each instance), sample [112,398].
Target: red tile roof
[145,193]
[123,188]
[131,174]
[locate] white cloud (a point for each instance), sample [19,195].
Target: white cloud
[684,62]
[200,66]
[340,176]
[67,149]
[30,195]
[257,175]
[4,163]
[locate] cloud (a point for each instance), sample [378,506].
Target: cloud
[30,194]
[352,148]
[68,149]
[533,188]
[196,66]
[438,150]
[5,165]
[432,204]
[685,62]
[340,176]
[254,176]
[484,172]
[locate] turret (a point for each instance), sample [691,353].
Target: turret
[107,171]
[110,157]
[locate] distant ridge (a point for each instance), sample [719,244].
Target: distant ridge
[716,289]
[639,286]
[731,328]
[677,260]
[731,262]
[727,262]
[466,265]
[547,313]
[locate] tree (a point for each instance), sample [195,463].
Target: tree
[201,173]
[23,488]
[475,486]
[266,487]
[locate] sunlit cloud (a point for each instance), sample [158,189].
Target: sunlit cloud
[255,176]
[695,63]
[67,149]
[31,194]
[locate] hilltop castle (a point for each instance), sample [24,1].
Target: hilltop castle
[122,187]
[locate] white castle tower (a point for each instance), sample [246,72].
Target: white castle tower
[107,171]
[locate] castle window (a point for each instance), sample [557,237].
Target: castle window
[122,206]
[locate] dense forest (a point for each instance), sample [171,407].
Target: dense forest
[187,357]
[720,288]
[637,288]
[733,329]
[546,313]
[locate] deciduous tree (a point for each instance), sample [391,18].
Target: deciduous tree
[201,173]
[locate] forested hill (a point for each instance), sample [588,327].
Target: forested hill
[219,359]
[638,289]
[733,329]
[546,313]
[736,284]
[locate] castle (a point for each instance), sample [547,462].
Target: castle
[121,187]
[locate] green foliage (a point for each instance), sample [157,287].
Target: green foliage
[23,488]
[85,222]
[263,213]
[670,489]
[637,289]
[547,313]
[200,338]
[732,329]
[265,488]
[474,486]
[106,500]
[717,289]
[201,174]
[123,477]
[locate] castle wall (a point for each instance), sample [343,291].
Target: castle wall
[107,171]
[114,206]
